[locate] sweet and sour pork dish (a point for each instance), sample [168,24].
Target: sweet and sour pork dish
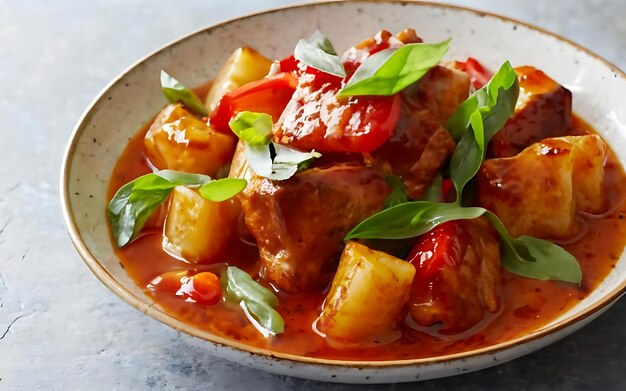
[379,204]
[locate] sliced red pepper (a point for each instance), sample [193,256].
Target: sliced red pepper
[478,74]
[457,275]
[316,118]
[442,246]
[269,96]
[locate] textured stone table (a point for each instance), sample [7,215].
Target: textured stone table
[60,329]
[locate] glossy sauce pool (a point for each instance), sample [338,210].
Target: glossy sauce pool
[526,304]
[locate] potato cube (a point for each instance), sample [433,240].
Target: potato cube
[539,191]
[588,172]
[368,298]
[243,66]
[197,229]
[177,140]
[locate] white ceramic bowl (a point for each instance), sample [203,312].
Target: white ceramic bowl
[130,100]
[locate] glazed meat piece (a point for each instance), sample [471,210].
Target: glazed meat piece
[442,90]
[457,275]
[300,223]
[544,109]
[418,147]
[539,191]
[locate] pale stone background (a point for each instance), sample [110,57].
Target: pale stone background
[60,329]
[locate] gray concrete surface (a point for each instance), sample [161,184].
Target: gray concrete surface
[60,329]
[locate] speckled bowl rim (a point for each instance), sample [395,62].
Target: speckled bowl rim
[117,288]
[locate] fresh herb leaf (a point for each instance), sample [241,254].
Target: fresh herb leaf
[240,286]
[477,120]
[260,159]
[317,52]
[267,317]
[288,161]
[410,219]
[525,256]
[535,258]
[398,193]
[268,159]
[253,128]
[134,202]
[319,40]
[222,189]
[258,300]
[434,192]
[391,70]
[176,92]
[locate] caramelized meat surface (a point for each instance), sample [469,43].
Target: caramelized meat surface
[300,223]
[442,90]
[420,145]
[539,191]
[544,109]
[458,275]
[417,149]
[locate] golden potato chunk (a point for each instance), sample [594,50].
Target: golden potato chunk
[588,173]
[243,66]
[197,229]
[239,166]
[177,140]
[368,298]
[539,191]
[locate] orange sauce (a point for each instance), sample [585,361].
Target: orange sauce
[527,304]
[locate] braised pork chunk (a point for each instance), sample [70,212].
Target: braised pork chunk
[299,224]
[543,110]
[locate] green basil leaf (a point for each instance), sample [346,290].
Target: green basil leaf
[410,219]
[317,52]
[434,192]
[398,193]
[258,300]
[477,120]
[176,92]
[222,189]
[268,159]
[525,256]
[287,161]
[536,258]
[319,40]
[253,128]
[392,223]
[266,316]
[391,70]
[240,286]
[260,159]
[133,203]
[459,122]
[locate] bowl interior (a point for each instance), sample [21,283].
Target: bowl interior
[132,99]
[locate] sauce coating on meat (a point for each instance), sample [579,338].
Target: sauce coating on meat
[299,224]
